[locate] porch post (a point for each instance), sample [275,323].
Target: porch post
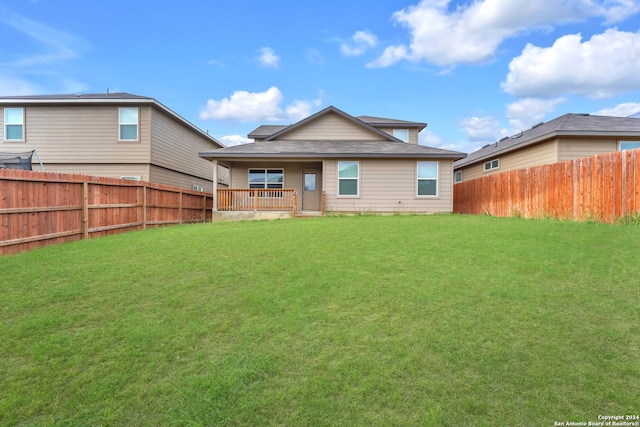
[215,186]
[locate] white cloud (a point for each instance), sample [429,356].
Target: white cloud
[601,67]
[362,41]
[268,58]
[246,106]
[231,140]
[527,112]
[390,56]
[621,110]
[314,56]
[481,129]
[472,33]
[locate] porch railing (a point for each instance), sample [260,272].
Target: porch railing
[257,199]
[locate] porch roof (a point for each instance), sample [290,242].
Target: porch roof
[318,149]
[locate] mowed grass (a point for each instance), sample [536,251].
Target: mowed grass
[359,321]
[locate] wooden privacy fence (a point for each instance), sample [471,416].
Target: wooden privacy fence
[43,208]
[603,188]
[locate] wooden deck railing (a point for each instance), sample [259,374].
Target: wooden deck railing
[257,199]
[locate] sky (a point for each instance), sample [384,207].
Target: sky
[474,70]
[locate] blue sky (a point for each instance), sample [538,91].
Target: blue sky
[475,71]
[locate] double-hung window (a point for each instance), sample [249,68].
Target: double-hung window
[267,178]
[128,120]
[629,145]
[428,179]
[14,124]
[348,178]
[457,177]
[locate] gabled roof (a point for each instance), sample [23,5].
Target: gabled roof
[117,98]
[382,121]
[331,109]
[264,131]
[566,125]
[329,150]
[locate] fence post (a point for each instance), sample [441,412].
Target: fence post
[180,208]
[85,210]
[144,207]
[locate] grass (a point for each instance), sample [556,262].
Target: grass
[402,320]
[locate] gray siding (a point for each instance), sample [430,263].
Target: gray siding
[175,147]
[389,186]
[178,179]
[331,127]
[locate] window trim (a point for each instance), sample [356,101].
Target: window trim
[357,179]
[121,123]
[491,167]
[7,123]
[436,179]
[620,142]
[455,176]
[403,130]
[266,181]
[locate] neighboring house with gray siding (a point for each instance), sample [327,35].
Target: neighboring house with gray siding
[115,135]
[567,137]
[335,162]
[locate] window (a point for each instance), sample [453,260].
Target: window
[195,187]
[427,178]
[629,145]
[131,177]
[493,164]
[457,177]
[128,119]
[14,124]
[401,134]
[266,178]
[348,177]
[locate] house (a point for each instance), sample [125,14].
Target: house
[334,162]
[567,137]
[111,134]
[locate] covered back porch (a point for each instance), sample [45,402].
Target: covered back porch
[268,189]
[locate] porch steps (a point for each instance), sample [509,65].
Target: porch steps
[308,214]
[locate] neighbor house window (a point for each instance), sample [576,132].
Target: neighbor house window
[629,145]
[266,178]
[348,177]
[401,134]
[493,164]
[427,178]
[131,177]
[128,119]
[457,177]
[14,124]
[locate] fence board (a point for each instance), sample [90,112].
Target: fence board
[43,208]
[604,187]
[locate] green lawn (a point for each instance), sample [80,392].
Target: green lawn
[349,321]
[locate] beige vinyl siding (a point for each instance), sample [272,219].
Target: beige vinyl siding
[168,177]
[413,133]
[99,169]
[292,174]
[534,155]
[80,134]
[569,149]
[175,147]
[331,127]
[389,186]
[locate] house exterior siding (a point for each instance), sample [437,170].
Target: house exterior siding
[65,135]
[331,127]
[539,154]
[575,148]
[413,133]
[388,185]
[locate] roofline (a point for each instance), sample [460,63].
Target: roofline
[326,110]
[106,100]
[279,156]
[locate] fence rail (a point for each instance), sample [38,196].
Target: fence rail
[43,208]
[257,199]
[603,188]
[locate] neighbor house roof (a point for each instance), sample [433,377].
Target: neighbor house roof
[330,149]
[117,98]
[566,125]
